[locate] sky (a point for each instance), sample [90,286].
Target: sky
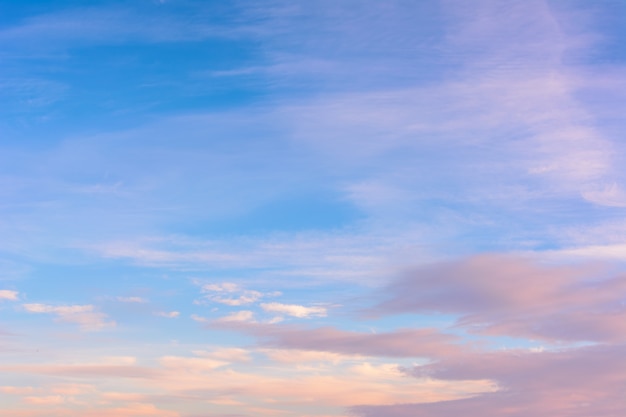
[312,208]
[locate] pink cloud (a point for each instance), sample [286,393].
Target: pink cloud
[574,383]
[501,295]
[140,410]
[47,400]
[398,343]
[512,296]
[84,370]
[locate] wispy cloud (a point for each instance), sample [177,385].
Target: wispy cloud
[131,300]
[85,316]
[105,25]
[354,255]
[294,310]
[168,314]
[403,343]
[448,172]
[231,294]
[239,316]
[179,377]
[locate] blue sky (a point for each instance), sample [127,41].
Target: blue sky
[312,208]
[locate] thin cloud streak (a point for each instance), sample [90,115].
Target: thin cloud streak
[402,343]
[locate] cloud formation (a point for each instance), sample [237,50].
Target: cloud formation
[84,315]
[403,343]
[393,157]
[510,296]
[131,299]
[495,295]
[9,295]
[570,382]
[230,294]
[294,310]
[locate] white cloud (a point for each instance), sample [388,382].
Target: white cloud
[83,315]
[223,287]
[243,315]
[303,356]
[231,294]
[615,252]
[199,319]
[294,310]
[8,295]
[248,297]
[226,354]
[131,300]
[168,314]
[61,310]
[611,195]
[357,255]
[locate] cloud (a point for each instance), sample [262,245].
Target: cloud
[226,354]
[294,310]
[85,370]
[596,252]
[112,25]
[358,255]
[611,195]
[510,124]
[295,384]
[200,319]
[571,382]
[16,390]
[223,287]
[497,134]
[403,343]
[168,314]
[239,316]
[191,364]
[73,389]
[83,315]
[301,357]
[279,386]
[47,400]
[509,296]
[9,295]
[215,292]
[232,294]
[131,299]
